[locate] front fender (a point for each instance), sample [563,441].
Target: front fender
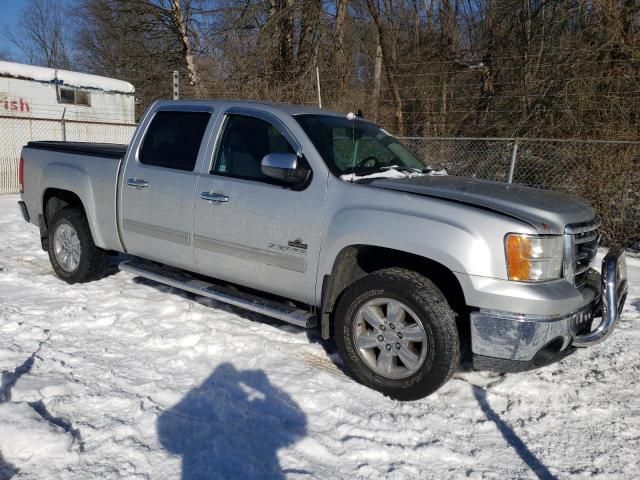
[464,239]
[451,245]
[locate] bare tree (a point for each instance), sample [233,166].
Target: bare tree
[42,34]
[377,79]
[342,63]
[389,53]
[4,54]
[445,67]
[180,13]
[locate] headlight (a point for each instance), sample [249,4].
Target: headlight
[533,258]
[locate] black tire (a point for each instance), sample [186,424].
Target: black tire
[442,344]
[93,262]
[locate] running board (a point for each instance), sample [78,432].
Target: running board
[247,301]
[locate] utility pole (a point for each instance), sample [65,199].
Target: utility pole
[176,85]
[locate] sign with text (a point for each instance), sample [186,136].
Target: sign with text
[13,104]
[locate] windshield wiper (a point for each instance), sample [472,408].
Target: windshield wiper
[405,169]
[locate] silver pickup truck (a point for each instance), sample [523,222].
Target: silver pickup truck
[324,219]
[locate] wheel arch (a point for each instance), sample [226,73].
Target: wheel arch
[355,261]
[54,200]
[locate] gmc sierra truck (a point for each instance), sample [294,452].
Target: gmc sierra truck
[324,219]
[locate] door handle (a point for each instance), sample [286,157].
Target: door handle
[214,197]
[137,183]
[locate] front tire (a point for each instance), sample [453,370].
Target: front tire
[397,334]
[74,256]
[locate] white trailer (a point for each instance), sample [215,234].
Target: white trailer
[28,91]
[38,103]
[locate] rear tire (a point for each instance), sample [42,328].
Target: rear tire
[370,318]
[74,256]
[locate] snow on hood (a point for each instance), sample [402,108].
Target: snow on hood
[74,79]
[391,173]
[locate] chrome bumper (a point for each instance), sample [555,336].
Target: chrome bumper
[614,288]
[535,339]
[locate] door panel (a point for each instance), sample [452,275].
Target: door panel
[158,189]
[157,221]
[265,236]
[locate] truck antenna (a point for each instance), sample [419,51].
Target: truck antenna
[351,116]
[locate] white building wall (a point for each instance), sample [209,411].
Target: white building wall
[30,111]
[31,98]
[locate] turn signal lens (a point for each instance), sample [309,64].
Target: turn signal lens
[518,257]
[533,258]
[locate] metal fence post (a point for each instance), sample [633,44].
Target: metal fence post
[514,154]
[176,85]
[64,125]
[318,84]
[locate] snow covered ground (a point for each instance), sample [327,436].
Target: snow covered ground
[123,378]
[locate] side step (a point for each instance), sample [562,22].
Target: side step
[253,303]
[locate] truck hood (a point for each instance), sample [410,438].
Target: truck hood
[548,211]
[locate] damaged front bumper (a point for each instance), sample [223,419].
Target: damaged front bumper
[508,342]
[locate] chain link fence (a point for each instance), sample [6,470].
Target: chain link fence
[606,173]
[15,132]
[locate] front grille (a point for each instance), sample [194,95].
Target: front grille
[581,241]
[585,249]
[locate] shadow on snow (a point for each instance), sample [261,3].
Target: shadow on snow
[232,426]
[6,469]
[7,381]
[512,437]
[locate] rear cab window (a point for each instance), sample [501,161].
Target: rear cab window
[173,140]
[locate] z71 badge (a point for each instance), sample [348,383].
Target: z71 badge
[295,246]
[297,243]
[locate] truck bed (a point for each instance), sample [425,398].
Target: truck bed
[114,151]
[88,170]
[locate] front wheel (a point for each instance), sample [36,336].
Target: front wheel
[73,255]
[397,334]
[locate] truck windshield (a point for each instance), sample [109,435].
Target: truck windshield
[356,146]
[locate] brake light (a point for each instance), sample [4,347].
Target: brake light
[21,175]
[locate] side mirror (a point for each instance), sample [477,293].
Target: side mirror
[285,167]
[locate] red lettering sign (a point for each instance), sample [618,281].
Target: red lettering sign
[13,105]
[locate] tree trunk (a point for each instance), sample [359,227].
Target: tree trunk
[416,24]
[341,60]
[281,14]
[377,80]
[388,52]
[311,11]
[187,49]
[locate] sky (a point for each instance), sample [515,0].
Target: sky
[9,15]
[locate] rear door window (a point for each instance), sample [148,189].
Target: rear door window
[173,140]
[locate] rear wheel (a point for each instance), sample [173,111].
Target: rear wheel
[397,334]
[73,254]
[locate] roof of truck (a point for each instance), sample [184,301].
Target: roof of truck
[64,77]
[288,108]
[292,109]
